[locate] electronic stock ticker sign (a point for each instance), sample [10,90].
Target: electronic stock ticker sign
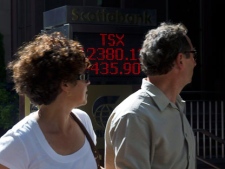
[111,37]
[113,55]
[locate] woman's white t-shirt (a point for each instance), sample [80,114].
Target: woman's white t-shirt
[25,147]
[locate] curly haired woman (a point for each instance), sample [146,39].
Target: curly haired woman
[51,71]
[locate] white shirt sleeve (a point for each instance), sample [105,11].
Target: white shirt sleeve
[12,152]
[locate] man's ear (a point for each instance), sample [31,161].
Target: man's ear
[179,60]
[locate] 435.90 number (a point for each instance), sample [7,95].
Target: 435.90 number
[112,68]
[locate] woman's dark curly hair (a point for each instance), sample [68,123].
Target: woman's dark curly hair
[42,64]
[161,46]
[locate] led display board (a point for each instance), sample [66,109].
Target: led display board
[113,55]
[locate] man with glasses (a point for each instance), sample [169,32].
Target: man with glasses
[149,128]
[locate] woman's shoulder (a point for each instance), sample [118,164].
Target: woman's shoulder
[23,125]
[15,139]
[86,120]
[83,117]
[80,113]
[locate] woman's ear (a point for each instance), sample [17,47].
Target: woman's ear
[64,86]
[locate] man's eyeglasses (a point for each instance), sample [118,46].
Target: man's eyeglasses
[194,53]
[84,76]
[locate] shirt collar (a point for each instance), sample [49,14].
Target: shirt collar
[159,97]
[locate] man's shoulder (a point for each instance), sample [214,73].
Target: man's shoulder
[133,104]
[135,98]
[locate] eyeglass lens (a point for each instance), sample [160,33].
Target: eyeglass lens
[84,76]
[194,53]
